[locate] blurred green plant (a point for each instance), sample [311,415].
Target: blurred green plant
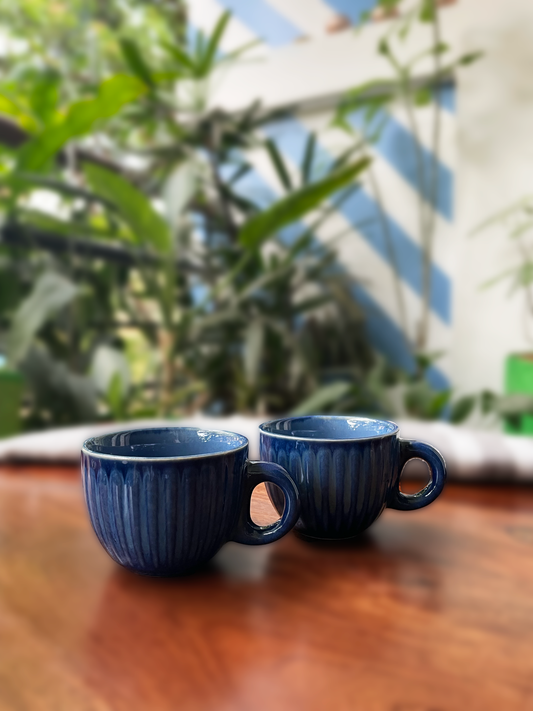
[140,274]
[157,284]
[386,391]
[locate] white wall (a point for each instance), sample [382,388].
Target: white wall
[495,168]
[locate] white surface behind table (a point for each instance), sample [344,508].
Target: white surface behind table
[469,454]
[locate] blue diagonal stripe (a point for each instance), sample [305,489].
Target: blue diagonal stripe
[361,211]
[388,339]
[384,334]
[352,9]
[446,96]
[400,149]
[264,21]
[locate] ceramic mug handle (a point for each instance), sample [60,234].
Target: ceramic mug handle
[249,532]
[419,450]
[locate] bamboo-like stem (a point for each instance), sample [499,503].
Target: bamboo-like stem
[528,289]
[434,190]
[402,312]
[421,336]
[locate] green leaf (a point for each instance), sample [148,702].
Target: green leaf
[236,53]
[309,157]
[462,408]
[426,360]
[519,230]
[383,46]
[323,398]
[111,375]
[209,54]
[51,292]
[181,57]
[504,214]
[239,173]
[360,95]
[372,86]
[311,304]
[44,95]
[135,61]
[135,208]
[343,158]
[427,11]
[469,58]
[115,397]
[423,97]
[297,204]
[488,401]
[523,276]
[438,403]
[49,223]
[12,108]
[253,350]
[499,277]
[79,119]
[421,401]
[279,164]
[371,95]
[199,49]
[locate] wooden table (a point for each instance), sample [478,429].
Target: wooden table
[430,611]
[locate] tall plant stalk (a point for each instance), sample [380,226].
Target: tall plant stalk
[434,187]
[398,290]
[405,90]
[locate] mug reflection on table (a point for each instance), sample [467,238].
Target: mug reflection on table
[347,470]
[163,501]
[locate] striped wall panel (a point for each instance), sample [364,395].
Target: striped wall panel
[364,251]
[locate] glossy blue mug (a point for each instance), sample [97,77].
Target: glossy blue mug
[163,501]
[347,470]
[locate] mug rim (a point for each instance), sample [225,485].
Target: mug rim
[280,435]
[177,457]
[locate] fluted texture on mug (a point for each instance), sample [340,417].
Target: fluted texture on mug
[344,486]
[161,518]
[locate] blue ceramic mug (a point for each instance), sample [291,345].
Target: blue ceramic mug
[163,501]
[347,470]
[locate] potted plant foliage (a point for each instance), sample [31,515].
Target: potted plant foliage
[159,284]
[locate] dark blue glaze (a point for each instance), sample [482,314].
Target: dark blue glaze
[163,501]
[347,470]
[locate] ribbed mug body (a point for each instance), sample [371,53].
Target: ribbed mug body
[344,485]
[164,517]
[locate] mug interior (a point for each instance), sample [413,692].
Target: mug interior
[165,443]
[322,427]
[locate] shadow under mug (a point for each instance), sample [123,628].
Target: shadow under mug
[163,501]
[347,470]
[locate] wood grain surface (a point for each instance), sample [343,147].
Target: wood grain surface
[429,611]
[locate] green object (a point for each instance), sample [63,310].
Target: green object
[519,381]
[11,389]
[297,204]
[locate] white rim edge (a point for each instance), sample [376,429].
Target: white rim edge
[328,439]
[177,458]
